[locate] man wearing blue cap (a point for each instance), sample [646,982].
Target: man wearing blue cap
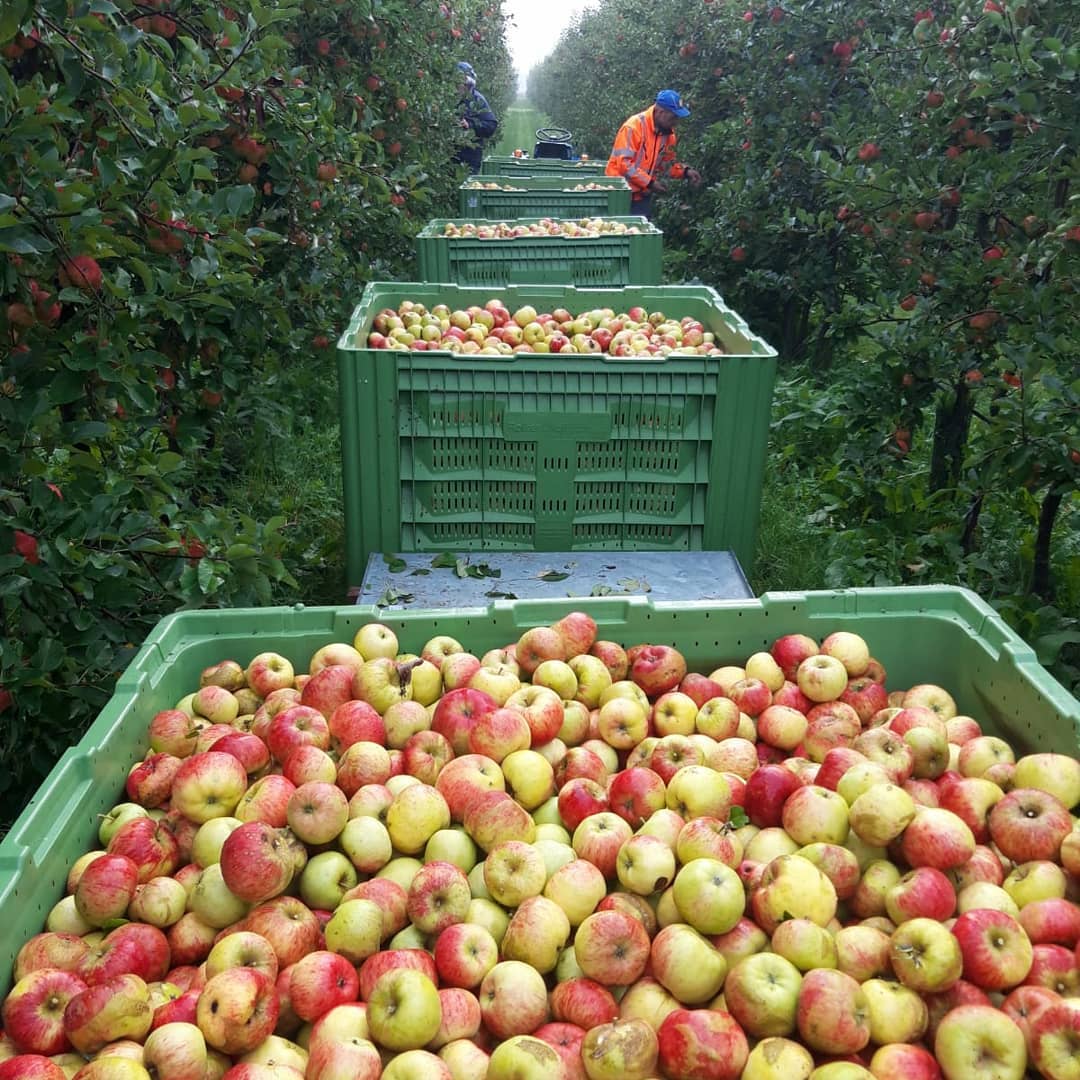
[475,115]
[644,151]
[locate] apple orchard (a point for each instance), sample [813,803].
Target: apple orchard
[565,859]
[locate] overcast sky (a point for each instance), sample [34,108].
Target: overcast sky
[535,27]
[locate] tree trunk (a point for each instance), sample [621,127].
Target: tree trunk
[971,523]
[951,426]
[1041,584]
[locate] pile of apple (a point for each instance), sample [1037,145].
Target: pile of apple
[490,185]
[564,860]
[586,228]
[593,186]
[495,330]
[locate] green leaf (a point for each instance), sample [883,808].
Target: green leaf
[394,596]
[444,561]
[737,817]
[394,564]
[12,15]
[552,576]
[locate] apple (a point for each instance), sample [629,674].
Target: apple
[33,1012]
[493,816]
[404,1010]
[537,934]
[513,999]
[106,888]
[175,1051]
[709,895]
[500,733]
[256,864]
[415,815]
[329,689]
[833,1014]
[979,755]
[374,640]
[288,924]
[457,712]
[762,991]
[216,704]
[904,1061]
[1050,921]
[921,893]
[686,964]
[132,948]
[320,981]
[863,952]
[776,1058]
[805,944]
[599,838]
[524,1057]
[118,1008]
[881,814]
[997,953]
[937,838]
[925,956]
[896,1014]
[622,723]
[208,785]
[611,948]
[537,645]
[821,677]
[698,791]
[1056,774]
[645,865]
[767,789]
[656,668]
[620,1050]
[150,844]
[267,800]
[457,669]
[978,1040]
[791,650]
[815,815]
[613,656]
[635,794]
[793,887]
[438,648]
[702,1044]
[529,777]
[578,887]
[1029,824]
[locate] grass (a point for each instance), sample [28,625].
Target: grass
[517,129]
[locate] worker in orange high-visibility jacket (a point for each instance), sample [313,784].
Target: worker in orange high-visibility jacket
[644,152]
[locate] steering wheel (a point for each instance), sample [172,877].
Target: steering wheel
[553,134]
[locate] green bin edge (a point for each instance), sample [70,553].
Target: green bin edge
[500,164]
[546,195]
[644,250]
[370,466]
[935,634]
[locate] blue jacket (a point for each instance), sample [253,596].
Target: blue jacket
[482,122]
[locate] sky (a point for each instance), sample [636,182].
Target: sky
[535,28]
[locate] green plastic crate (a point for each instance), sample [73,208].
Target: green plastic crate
[508,165]
[629,258]
[931,634]
[553,452]
[544,196]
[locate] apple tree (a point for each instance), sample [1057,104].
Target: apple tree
[192,196]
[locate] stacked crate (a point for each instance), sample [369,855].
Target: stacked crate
[447,451]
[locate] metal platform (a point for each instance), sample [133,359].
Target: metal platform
[474,579]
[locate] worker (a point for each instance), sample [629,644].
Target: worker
[644,152]
[475,116]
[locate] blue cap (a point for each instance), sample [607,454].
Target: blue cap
[464,65]
[670,100]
